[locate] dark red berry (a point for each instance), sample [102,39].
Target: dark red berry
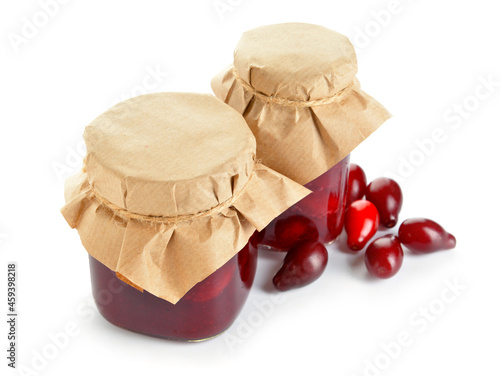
[316,204]
[257,237]
[214,284]
[293,230]
[423,235]
[384,257]
[386,195]
[361,223]
[302,265]
[247,260]
[334,218]
[356,185]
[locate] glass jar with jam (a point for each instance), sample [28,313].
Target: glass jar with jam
[165,207]
[319,216]
[296,86]
[207,310]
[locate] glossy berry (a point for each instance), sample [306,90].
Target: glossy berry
[293,230]
[384,257]
[386,195]
[356,185]
[247,260]
[361,223]
[213,285]
[257,237]
[315,205]
[423,235]
[302,265]
[335,219]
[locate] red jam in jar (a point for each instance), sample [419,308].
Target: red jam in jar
[207,310]
[171,224]
[319,216]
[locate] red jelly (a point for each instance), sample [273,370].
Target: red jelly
[207,310]
[318,217]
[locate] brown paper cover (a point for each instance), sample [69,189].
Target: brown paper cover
[171,190]
[296,86]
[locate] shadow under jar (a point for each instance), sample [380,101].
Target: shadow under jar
[319,216]
[206,311]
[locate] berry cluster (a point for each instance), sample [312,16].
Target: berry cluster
[369,206]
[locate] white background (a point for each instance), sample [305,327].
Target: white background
[421,62]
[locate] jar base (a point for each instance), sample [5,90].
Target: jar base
[164,337]
[330,242]
[206,339]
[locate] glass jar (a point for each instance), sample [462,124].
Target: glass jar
[207,310]
[295,84]
[319,216]
[158,212]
